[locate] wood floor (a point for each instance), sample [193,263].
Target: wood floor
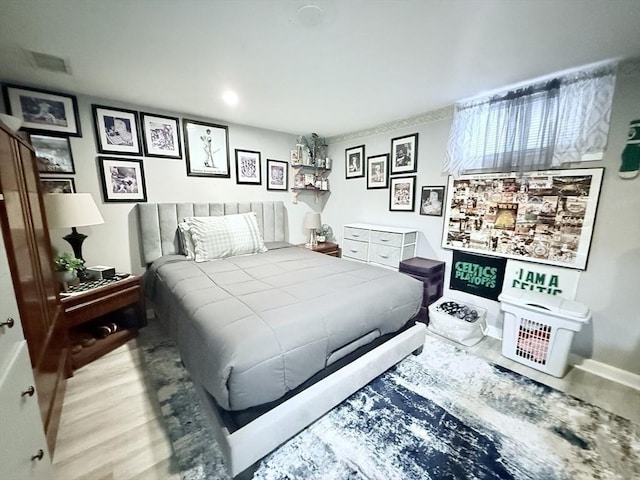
[111,426]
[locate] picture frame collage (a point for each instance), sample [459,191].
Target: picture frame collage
[51,119]
[392,170]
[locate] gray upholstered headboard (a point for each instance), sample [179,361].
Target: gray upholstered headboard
[159,222]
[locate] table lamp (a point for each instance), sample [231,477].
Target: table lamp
[312,221]
[72,210]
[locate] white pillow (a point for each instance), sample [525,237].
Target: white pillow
[186,240]
[225,236]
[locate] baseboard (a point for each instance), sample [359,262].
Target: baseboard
[494,332]
[606,371]
[600,369]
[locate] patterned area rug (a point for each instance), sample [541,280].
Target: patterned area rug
[444,414]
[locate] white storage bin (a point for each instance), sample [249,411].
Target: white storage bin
[456,329]
[538,329]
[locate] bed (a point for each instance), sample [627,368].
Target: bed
[272,340]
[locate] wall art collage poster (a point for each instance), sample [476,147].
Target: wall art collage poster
[544,217]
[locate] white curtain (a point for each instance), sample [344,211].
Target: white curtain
[534,128]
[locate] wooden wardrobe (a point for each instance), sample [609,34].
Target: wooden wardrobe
[29,254]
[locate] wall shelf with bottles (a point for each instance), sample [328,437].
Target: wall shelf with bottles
[310,178]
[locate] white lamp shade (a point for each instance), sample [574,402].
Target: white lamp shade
[312,220]
[11,121]
[71,210]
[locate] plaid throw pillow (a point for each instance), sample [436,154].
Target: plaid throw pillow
[225,236]
[186,241]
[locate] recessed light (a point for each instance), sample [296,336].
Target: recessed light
[230,97]
[310,15]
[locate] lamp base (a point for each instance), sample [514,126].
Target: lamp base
[75,239]
[313,241]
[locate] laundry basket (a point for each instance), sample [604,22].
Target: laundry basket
[538,329]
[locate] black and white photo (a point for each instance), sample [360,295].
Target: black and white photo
[122,179]
[277,175]
[53,154]
[248,167]
[432,201]
[404,154]
[116,130]
[378,171]
[43,111]
[57,185]
[161,136]
[354,162]
[207,149]
[402,194]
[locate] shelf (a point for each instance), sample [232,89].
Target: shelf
[102,346]
[296,191]
[310,167]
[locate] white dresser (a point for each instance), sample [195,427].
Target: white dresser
[378,244]
[23,446]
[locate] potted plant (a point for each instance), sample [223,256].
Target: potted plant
[67,266]
[323,232]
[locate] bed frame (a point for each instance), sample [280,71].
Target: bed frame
[245,446]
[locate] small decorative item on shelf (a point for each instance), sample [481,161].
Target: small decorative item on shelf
[311,151]
[67,266]
[323,233]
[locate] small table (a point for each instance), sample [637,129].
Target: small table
[328,248]
[85,311]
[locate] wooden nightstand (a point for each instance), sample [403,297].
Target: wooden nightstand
[85,312]
[328,248]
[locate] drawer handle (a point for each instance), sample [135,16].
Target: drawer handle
[354,251]
[38,456]
[384,256]
[10,322]
[355,235]
[385,239]
[29,391]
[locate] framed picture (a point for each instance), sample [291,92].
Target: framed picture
[404,154]
[378,171]
[43,111]
[116,130]
[207,149]
[53,154]
[354,161]
[402,194]
[432,201]
[544,217]
[248,167]
[161,136]
[122,179]
[57,185]
[277,175]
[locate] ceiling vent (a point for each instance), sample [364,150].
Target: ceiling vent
[48,62]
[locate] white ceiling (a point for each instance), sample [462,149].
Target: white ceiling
[367,62]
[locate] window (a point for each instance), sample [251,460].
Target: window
[534,128]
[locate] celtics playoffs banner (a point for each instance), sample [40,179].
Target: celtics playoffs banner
[477,274]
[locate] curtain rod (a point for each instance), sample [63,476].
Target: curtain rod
[541,79]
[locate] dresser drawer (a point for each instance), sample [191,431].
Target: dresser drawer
[355,249]
[386,238]
[356,234]
[385,255]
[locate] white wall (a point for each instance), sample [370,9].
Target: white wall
[611,284]
[115,243]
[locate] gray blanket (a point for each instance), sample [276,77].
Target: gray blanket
[251,328]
